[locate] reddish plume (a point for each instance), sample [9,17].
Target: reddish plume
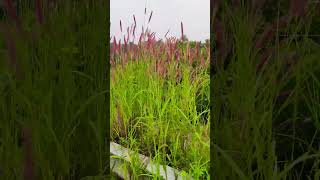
[182,35]
[120,26]
[134,19]
[119,46]
[114,44]
[150,17]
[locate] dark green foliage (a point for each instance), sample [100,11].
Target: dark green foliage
[266,120]
[57,93]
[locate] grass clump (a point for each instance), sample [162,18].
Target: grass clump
[53,87]
[265,122]
[160,101]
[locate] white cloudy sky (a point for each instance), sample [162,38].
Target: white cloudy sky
[167,14]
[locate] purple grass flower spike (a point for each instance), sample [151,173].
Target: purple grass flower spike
[134,19]
[114,44]
[150,17]
[182,35]
[38,10]
[120,26]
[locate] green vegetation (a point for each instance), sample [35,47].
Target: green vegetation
[265,92]
[160,102]
[53,110]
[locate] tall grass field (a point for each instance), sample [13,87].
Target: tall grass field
[265,92]
[159,100]
[53,87]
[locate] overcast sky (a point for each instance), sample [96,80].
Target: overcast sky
[167,14]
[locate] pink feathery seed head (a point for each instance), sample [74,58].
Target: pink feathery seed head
[182,35]
[120,26]
[134,31]
[119,46]
[114,44]
[150,16]
[39,11]
[125,42]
